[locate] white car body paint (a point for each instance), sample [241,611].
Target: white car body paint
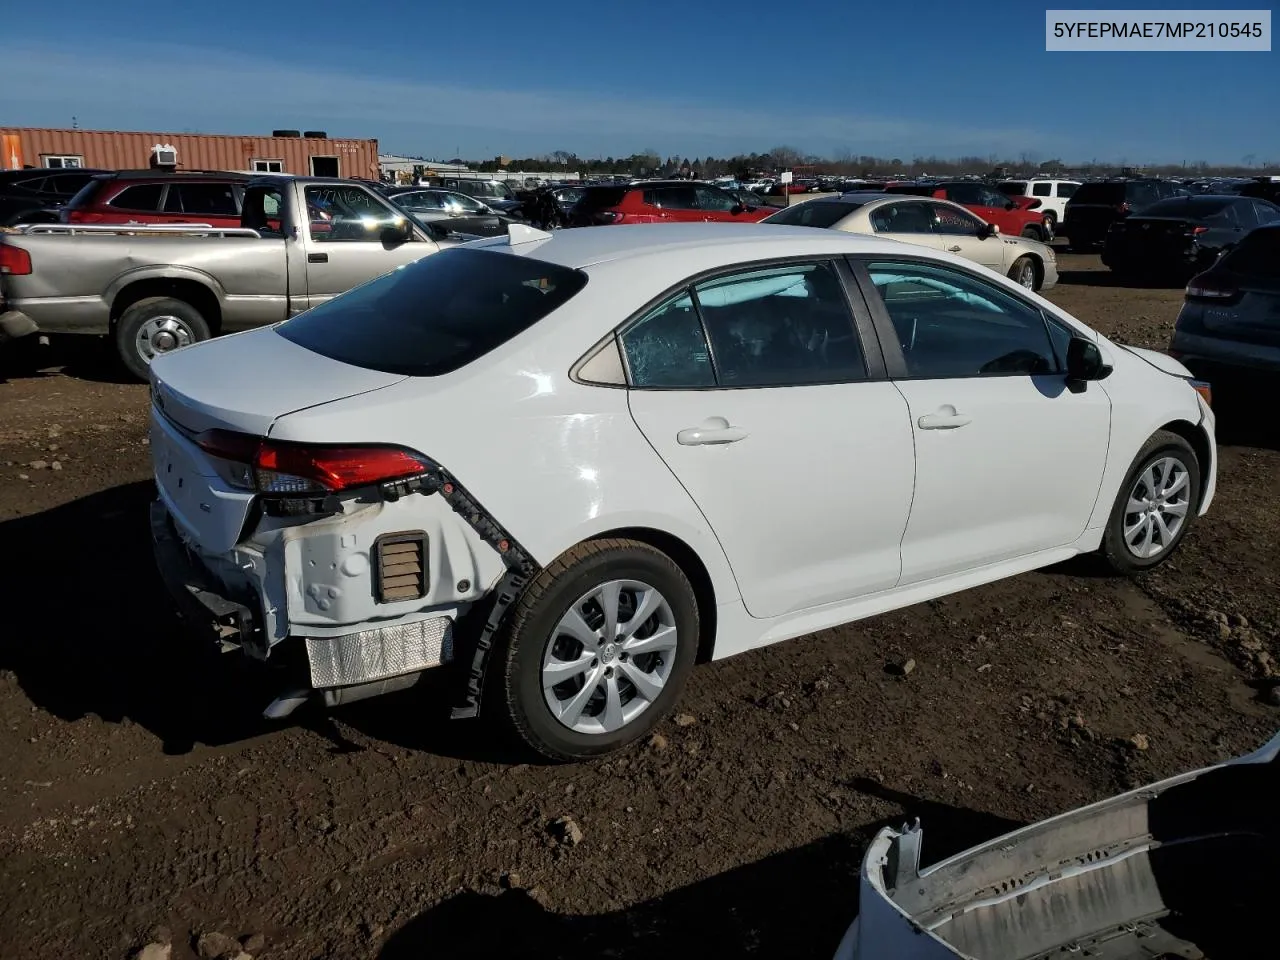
[798,526]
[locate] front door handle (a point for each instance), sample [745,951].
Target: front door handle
[953,249]
[945,419]
[714,430]
[317,258]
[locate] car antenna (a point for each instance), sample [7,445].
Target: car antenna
[523,233]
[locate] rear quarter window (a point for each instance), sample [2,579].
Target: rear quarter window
[813,214]
[437,315]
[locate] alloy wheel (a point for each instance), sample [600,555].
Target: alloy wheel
[609,657]
[1157,508]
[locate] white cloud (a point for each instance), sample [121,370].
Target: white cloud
[220,91]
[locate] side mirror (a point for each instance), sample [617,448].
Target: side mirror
[736,209]
[399,232]
[1084,361]
[988,231]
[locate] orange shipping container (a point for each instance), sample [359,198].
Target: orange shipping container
[124,150]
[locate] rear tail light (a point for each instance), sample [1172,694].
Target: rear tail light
[1206,287]
[81,216]
[14,261]
[610,216]
[274,467]
[1196,231]
[400,560]
[1122,207]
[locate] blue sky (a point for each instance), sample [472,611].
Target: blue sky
[481,79]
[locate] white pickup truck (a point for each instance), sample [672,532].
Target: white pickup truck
[302,240]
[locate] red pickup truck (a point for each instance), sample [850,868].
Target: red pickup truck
[1016,216]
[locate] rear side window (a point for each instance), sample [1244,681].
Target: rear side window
[1257,255]
[1067,189]
[1042,189]
[816,213]
[436,315]
[141,196]
[1104,193]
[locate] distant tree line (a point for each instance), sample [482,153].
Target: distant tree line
[649,163]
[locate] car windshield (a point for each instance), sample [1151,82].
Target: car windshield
[815,213]
[437,315]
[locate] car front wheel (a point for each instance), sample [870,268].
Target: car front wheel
[1154,507]
[1024,273]
[598,649]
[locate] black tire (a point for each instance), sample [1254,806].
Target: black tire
[1033,232]
[525,639]
[188,325]
[1051,220]
[1019,268]
[1114,552]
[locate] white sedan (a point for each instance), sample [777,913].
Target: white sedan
[575,464]
[937,224]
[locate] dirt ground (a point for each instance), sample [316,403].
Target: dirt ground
[140,790]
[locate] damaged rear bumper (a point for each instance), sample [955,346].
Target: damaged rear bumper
[338,668]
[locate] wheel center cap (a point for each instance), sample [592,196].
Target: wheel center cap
[608,653]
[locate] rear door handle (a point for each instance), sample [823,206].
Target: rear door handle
[945,419]
[317,258]
[715,430]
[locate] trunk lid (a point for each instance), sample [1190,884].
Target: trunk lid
[192,391]
[1144,237]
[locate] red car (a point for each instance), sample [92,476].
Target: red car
[157,197]
[661,201]
[1013,215]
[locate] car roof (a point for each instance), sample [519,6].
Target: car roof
[736,242]
[174,175]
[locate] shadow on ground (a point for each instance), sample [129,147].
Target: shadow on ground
[83,357]
[795,904]
[88,628]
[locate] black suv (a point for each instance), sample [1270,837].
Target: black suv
[1098,204]
[34,196]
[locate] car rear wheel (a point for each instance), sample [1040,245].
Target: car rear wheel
[1025,273]
[598,649]
[1033,232]
[1154,507]
[153,326]
[1051,220]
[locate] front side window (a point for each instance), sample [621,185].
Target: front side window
[953,221]
[951,324]
[712,198]
[462,203]
[437,314]
[337,212]
[1013,188]
[1266,212]
[780,326]
[992,198]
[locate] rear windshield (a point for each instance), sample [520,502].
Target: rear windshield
[84,197]
[815,213]
[436,315]
[1257,255]
[601,198]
